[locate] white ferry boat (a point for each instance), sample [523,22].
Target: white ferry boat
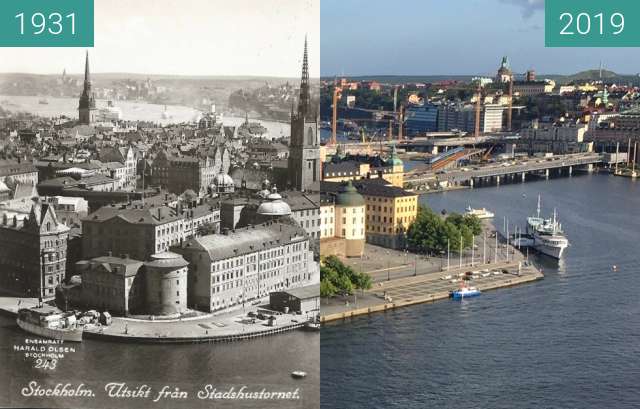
[49,322]
[547,234]
[110,113]
[479,213]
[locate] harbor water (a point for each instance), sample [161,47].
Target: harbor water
[571,340]
[131,111]
[260,363]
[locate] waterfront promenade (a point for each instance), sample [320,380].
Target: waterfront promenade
[425,288]
[402,278]
[226,327]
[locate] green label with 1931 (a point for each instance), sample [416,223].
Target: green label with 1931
[592,23]
[46,23]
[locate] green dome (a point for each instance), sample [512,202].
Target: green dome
[395,159]
[349,196]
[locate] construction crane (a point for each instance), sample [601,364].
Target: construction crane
[395,98]
[334,119]
[510,109]
[476,133]
[401,121]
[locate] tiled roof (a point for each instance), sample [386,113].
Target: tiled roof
[146,215]
[369,187]
[247,240]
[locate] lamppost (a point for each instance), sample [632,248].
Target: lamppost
[388,266]
[484,247]
[473,249]
[461,251]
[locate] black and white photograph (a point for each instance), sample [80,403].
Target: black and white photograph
[159,210]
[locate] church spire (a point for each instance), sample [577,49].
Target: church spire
[87,78]
[87,100]
[86,69]
[303,103]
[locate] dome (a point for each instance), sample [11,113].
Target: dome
[189,195]
[274,205]
[222,179]
[349,196]
[264,193]
[166,260]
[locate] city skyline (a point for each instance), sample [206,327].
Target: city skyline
[438,38]
[207,39]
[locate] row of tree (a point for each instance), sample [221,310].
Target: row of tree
[336,278]
[431,233]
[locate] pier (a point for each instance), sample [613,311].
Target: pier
[427,288]
[208,328]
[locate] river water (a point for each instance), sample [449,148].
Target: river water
[571,340]
[131,111]
[260,363]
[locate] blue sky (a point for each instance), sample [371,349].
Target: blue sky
[435,37]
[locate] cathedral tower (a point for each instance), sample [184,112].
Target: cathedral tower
[87,106]
[304,146]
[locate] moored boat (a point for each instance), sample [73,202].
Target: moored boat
[298,374]
[49,322]
[547,234]
[312,326]
[479,213]
[464,292]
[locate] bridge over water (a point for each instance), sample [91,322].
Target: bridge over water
[497,172]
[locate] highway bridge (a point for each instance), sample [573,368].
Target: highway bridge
[432,145]
[497,172]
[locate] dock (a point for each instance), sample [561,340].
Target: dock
[208,328]
[427,288]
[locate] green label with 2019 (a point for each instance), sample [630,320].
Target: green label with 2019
[592,23]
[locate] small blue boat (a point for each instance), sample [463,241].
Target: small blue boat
[464,292]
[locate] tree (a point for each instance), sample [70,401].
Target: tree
[327,289]
[431,233]
[338,278]
[362,281]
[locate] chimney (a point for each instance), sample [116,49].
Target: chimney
[159,213]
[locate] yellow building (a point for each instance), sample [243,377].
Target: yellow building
[327,218]
[343,222]
[359,167]
[389,211]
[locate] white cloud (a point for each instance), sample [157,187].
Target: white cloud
[529,7]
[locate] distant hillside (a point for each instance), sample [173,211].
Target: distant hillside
[587,75]
[594,75]
[400,79]
[194,91]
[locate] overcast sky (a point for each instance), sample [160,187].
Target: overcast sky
[188,37]
[435,37]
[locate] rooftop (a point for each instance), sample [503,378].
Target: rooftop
[303,293]
[369,187]
[247,240]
